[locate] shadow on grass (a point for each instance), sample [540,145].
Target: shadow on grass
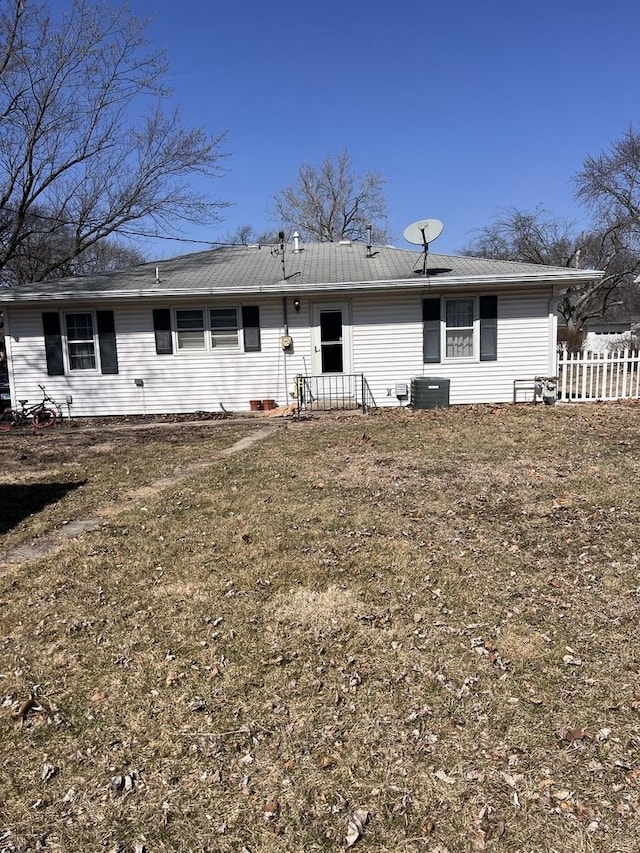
[18,502]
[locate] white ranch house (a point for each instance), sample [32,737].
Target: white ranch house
[221,328]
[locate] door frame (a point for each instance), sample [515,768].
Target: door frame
[347,338]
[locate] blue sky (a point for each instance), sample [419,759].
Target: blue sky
[465,108]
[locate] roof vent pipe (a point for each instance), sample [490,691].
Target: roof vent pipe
[369,229]
[296,241]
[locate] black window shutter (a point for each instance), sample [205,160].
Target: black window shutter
[107,342]
[162,329]
[488,328]
[53,343]
[251,328]
[431,329]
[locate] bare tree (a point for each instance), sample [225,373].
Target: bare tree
[242,236]
[105,256]
[609,184]
[40,249]
[537,237]
[245,235]
[331,202]
[87,149]
[533,237]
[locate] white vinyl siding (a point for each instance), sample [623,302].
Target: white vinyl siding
[189,381]
[386,345]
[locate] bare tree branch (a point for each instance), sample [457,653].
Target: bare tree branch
[80,155]
[331,202]
[536,237]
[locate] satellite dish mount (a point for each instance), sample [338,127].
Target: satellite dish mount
[421,233]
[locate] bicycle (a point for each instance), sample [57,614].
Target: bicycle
[39,416]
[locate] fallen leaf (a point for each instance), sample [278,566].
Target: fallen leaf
[23,709]
[564,500]
[271,810]
[562,794]
[481,828]
[442,776]
[328,761]
[512,779]
[634,777]
[48,772]
[572,735]
[358,819]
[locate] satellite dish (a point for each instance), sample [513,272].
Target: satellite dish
[423,232]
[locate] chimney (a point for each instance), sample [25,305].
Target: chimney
[296,242]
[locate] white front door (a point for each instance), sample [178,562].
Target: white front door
[331,338]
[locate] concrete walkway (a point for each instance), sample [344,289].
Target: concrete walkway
[55,540]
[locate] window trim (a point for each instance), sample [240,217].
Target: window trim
[68,341]
[244,343]
[474,327]
[225,331]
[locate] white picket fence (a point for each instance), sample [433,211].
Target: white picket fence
[588,376]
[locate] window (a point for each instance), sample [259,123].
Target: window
[85,340]
[53,350]
[251,328]
[224,327]
[206,329]
[488,328]
[162,331]
[190,329]
[460,327]
[81,347]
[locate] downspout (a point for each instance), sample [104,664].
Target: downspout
[9,357]
[285,323]
[553,330]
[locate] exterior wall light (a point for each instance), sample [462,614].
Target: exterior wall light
[296,305]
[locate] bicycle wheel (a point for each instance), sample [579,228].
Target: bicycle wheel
[44,417]
[8,419]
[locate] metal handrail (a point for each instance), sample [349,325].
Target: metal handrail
[331,391]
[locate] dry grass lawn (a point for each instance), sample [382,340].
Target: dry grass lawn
[406,631]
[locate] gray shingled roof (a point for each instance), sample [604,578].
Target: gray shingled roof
[317,266]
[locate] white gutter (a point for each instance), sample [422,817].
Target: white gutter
[295,286]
